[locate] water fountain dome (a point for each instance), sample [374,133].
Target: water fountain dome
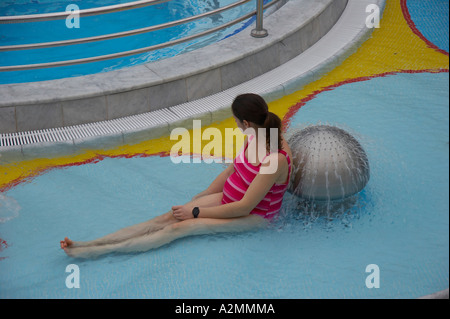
[328,163]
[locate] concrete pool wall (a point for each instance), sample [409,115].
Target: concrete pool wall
[293,28]
[342,40]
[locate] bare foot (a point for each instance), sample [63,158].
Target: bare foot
[85,252]
[70,248]
[66,243]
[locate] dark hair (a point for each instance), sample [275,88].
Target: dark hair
[252,108]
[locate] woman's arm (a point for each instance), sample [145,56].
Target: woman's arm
[217,185]
[254,194]
[257,190]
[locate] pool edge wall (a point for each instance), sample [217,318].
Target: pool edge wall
[169,82]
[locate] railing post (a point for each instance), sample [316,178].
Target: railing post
[259,32]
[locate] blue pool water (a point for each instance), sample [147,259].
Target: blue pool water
[48,31]
[431,19]
[400,222]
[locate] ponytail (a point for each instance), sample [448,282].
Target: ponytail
[272,122]
[252,107]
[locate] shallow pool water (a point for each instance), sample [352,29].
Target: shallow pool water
[400,221]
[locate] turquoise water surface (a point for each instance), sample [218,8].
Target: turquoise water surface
[57,30]
[400,221]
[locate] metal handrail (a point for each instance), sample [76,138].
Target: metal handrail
[259,31]
[81,13]
[130,52]
[119,34]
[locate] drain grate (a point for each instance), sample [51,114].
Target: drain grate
[82,131]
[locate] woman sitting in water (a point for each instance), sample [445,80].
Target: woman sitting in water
[243,197]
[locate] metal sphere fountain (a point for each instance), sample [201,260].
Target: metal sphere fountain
[329,164]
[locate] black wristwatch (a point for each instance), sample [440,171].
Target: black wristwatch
[195,212]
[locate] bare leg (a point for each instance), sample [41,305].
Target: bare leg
[170,233]
[141,229]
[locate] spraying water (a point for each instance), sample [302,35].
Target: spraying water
[330,168]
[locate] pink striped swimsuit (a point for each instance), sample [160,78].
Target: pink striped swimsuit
[237,184]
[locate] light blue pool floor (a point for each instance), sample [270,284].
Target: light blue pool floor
[400,222]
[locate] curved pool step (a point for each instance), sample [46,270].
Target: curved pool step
[341,41]
[161,84]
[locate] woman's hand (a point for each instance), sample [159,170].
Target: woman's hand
[183,212]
